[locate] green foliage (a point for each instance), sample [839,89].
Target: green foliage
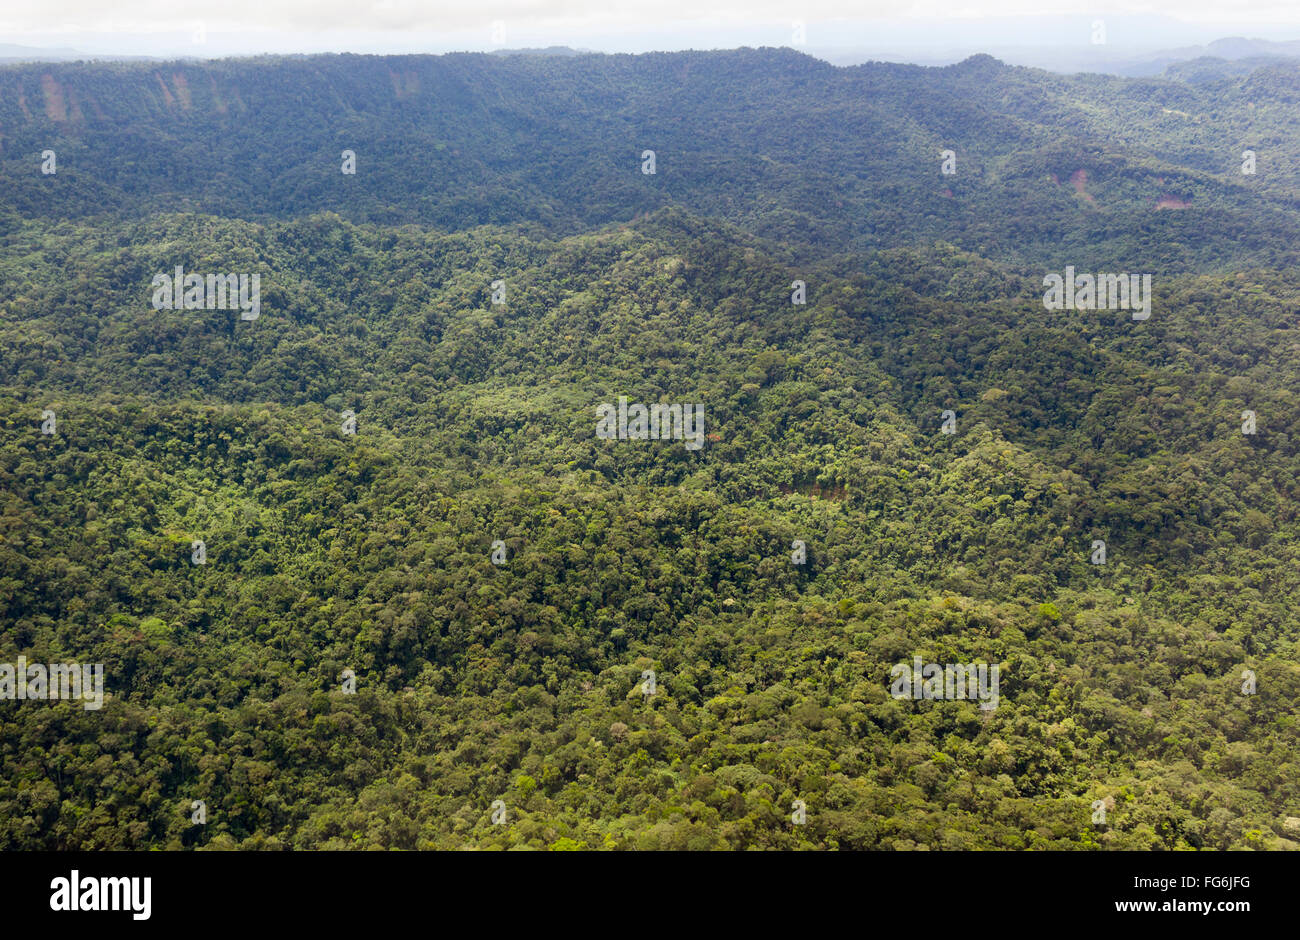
[476,422]
[815,160]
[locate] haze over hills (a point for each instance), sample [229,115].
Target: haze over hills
[1132,45]
[1068,55]
[365,569]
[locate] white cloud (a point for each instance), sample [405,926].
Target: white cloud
[240,27]
[82,16]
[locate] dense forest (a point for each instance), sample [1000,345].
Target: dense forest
[474,623]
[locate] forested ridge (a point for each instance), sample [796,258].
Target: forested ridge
[816,159]
[524,682]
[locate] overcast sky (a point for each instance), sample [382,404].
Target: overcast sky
[207,28]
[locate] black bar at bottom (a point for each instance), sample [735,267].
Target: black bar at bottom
[342,890]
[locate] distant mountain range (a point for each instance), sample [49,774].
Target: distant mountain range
[12,53]
[1073,58]
[1233,55]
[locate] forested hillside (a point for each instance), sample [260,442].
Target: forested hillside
[499,580]
[816,159]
